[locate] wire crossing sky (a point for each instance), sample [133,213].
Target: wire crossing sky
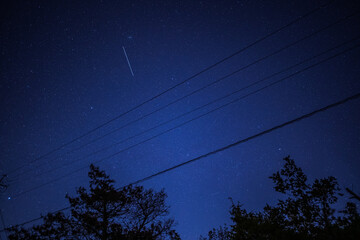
[218,80]
[343,101]
[208,74]
[159,134]
[175,86]
[197,108]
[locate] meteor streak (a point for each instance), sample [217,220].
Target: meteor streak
[127,59]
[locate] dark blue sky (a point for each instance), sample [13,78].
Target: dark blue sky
[63,72]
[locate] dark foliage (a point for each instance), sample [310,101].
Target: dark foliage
[305,213]
[105,213]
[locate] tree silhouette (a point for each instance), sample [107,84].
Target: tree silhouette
[105,213]
[305,212]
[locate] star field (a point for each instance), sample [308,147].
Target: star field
[63,72]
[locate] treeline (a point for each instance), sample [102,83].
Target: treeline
[306,213]
[106,213]
[133,213]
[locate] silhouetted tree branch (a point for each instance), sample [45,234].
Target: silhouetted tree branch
[105,213]
[306,212]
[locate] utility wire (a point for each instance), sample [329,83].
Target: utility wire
[36,219]
[209,84]
[249,138]
[191,120]
[308,115]
[353,195]
[176,85]
[197,108]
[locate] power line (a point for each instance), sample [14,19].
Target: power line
[36,219]
[308,115]
[209,84]
[200,107]
[353,195]
[175,86]
[191,120]
[249,138]
[182,124]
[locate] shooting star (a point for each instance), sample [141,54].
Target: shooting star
[127,59]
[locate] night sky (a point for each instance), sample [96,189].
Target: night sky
[63,72]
